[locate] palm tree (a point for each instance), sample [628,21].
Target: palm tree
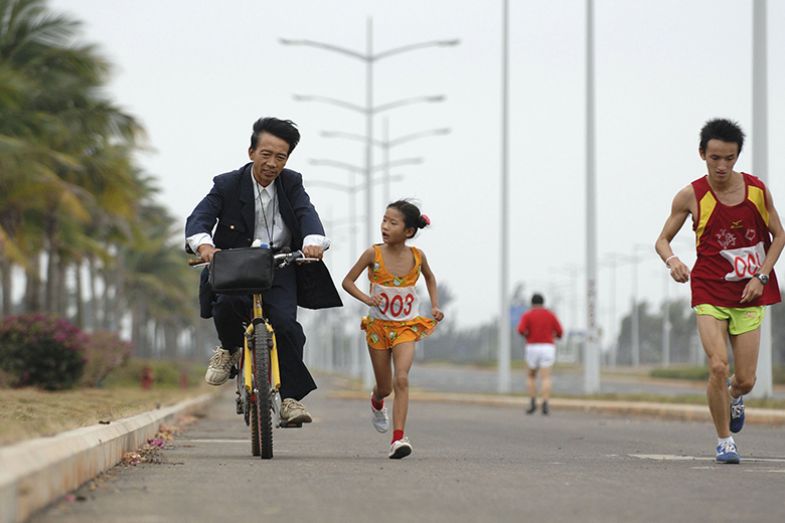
[70,193]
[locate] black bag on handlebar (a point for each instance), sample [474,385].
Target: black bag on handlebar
[241,271]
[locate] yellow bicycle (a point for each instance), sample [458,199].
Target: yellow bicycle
[258,376]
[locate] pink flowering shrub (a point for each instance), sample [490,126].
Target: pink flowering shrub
[104,351]
[42,351]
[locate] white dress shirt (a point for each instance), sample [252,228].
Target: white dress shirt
[265,206]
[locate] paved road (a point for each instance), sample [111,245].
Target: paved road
[470,463]
[455,378]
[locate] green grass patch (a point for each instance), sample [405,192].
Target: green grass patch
[700,373]
[166,374]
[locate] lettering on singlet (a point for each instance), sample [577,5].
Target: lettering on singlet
[746,261]
[398,303]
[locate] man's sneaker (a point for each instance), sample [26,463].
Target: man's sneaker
[293,413]
[400,448]
[736,414]
[380,420]
[220,365]
[727,453]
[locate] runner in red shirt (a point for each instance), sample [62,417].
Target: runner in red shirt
[539,326]
[738,237]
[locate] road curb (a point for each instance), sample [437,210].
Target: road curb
[36,472]
[681,412]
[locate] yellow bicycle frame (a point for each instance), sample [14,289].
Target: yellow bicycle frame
[248,357]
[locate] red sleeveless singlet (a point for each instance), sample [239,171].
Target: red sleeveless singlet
[731,243]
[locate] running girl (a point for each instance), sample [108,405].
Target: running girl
[393,324]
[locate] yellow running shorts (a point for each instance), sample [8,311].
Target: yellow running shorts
[740,319]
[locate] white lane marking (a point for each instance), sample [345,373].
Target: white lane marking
[673,457]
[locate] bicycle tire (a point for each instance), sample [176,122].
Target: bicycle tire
[255,447]
[264,400]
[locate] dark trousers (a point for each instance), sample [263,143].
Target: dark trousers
[231,312]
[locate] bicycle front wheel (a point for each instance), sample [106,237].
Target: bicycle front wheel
[264,400]
[255,448]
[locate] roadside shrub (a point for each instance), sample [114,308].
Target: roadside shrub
[104,352]
[43,351]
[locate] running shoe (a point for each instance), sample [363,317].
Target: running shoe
[400,448]
[221,363]
[293,413]
[380,420]
[727,453]
[736,414]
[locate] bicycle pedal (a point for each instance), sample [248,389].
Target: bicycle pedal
[233,372]
[294,425]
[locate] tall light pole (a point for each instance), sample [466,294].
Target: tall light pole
[386,144]
[369,57]
[760,161]
[591,367]
[504,305]
[369,111]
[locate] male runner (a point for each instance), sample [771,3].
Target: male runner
[539,326]
[739,238]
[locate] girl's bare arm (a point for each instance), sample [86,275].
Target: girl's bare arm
[433,292]
[365,261]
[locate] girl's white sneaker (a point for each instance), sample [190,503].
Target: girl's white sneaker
[380,420]
[400,448]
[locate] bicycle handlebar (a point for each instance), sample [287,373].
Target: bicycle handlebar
[280,260]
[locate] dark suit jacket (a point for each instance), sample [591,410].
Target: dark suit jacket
[230,203]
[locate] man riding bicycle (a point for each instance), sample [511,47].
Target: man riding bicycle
[263,200]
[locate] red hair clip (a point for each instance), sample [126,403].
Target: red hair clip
[426,219]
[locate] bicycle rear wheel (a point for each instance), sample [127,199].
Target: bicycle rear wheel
[263,403]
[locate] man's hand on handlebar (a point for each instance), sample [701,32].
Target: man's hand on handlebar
[313,251]
[206,252]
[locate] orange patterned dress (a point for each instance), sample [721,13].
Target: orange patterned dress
[396,319]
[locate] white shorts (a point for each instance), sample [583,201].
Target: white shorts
[540,355]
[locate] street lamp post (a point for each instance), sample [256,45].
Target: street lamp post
[386,144]
[369,57]
[591,372]
[760,160]
[503,357]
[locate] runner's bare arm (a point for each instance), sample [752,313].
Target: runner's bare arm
[365,261]
[754,287]
[433,292]
[681,208]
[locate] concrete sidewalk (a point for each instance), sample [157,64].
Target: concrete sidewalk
[36,472]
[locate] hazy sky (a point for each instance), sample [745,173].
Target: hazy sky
[198,73]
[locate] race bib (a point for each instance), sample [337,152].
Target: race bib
[398,303]
[746,261]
